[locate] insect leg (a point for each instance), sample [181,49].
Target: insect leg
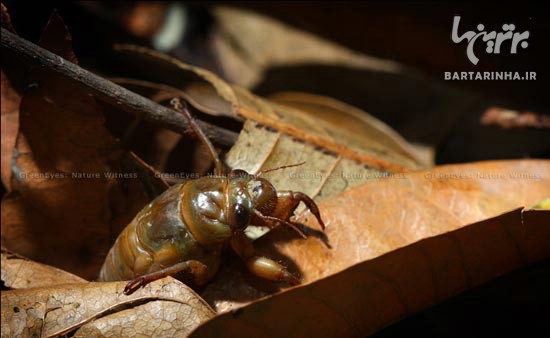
[258,265]
[197,268]
[287,202]
[177,104]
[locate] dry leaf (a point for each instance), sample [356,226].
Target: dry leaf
[10,126]
[250,43]
[5,18]
[365,128]
[331,129]
[373,294]
[56,38]
[155,319]
[378,217]
[66,205]
[19,272]
[10,110]
[54,311]
[337,156]
[200,87]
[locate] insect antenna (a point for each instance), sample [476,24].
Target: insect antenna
[182,108]
[279,168]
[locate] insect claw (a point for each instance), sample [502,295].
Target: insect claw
[290,278]
[312,206]
[321,223]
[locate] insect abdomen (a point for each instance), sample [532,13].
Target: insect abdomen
[157,237]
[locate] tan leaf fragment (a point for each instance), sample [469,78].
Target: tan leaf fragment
[10,126]
[250,43]
[159,319]
[54,311]
[340,146]
[21,273]
[72,187]
[354,124]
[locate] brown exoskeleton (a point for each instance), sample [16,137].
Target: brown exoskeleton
[186,227]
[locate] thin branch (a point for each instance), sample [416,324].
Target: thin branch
[110,92]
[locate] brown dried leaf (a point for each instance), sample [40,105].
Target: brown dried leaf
[201,88]
[158,318]
[210,94]
[331,130]
[61,134]
[66,208]
[10,126]
[249,43]
[19,272]
[56,38]
[341,146]
[337,156]
[373,294]
[54,311]
[356,125]
[5,18]
[378,217]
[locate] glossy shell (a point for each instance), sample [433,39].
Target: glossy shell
[161,234]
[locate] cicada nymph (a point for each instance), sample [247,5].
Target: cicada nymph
[186,227]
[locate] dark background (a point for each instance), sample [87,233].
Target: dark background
[417,35]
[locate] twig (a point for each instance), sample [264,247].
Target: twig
[110,92]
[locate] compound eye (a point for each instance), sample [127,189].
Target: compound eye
[241,215]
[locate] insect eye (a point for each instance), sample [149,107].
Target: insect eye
[241,215]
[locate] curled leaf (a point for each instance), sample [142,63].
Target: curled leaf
[358,126]
[370,295]
[21,273]
[73,187]
[54,311]
[249,43]
[10,126]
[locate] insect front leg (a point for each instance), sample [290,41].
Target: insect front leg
[287,202]
[198,269]
[258,265]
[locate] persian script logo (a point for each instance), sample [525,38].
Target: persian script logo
[493,39]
